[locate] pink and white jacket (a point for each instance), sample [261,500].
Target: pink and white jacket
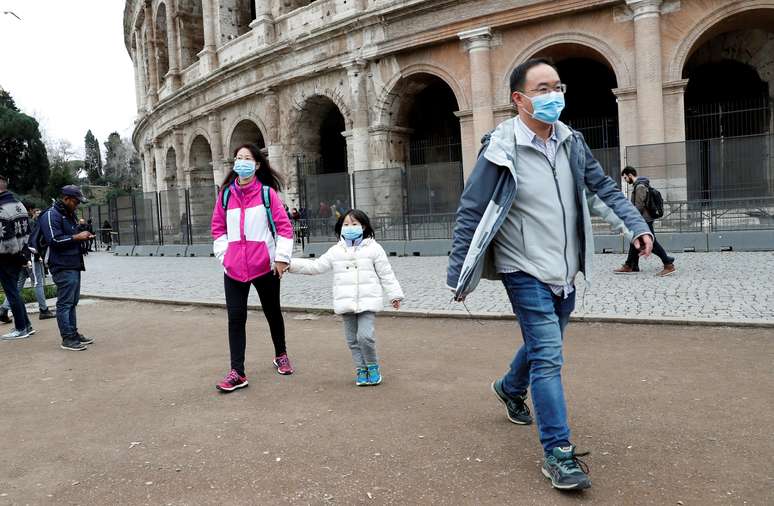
[242,234]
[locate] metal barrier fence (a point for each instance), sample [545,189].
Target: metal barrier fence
[711,169]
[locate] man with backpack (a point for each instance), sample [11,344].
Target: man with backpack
[14,234]
[65,261]
[35,271]
[648,202]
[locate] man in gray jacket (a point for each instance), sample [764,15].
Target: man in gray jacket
[525,218]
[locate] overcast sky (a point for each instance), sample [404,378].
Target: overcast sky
[65,63]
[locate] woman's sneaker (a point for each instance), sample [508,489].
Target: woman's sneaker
[515,408]
[565,470]
[282,363]
[18,334]
[231,382]
[374,375]
[361,376]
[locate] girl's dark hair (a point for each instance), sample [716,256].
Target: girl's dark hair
[361,217]
[265,174]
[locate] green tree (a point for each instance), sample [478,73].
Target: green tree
[122,164]
[93,159]
[23,157]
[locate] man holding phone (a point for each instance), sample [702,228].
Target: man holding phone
[65,261]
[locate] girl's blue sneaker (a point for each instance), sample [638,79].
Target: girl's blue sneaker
[361,376]
[374,375]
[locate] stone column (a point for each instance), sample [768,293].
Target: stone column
[626,99]
[208,57]
[150,161]
[180,157]
[647,42]
[478,43]
[139,86]
[161,165]
[149,41]
[356,70]
[275,148]
[263,24]
[676,170]
[173,45]
[216,145]
[470,144]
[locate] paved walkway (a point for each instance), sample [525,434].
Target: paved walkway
[671,414]
[707,286]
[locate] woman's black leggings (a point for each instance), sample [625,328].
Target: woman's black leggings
[268,287]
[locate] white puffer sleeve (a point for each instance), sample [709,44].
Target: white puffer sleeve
[386,275]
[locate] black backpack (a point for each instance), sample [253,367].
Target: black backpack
[37,243]
[654,203]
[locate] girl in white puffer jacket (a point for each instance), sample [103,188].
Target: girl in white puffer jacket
[361,272]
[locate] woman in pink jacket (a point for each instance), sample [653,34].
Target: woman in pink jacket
[254,242]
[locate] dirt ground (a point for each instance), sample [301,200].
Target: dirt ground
[672,415]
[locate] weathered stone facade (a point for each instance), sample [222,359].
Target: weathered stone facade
[211,74]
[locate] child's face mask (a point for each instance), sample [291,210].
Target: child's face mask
[351,232]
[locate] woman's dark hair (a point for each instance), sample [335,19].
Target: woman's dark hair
[265,174]
[361,217]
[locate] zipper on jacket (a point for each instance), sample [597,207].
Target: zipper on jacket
[564,215]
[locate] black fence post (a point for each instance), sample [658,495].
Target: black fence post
[160,218]
[134,219]
[189,235]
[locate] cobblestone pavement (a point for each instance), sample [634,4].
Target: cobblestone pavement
[725,286]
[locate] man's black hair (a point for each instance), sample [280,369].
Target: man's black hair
[519,74]
[629,170]
[361,217]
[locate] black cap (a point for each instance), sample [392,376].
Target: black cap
[73,191]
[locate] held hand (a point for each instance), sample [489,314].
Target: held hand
[396,304]
[280,268]
[82,236]
[644,244]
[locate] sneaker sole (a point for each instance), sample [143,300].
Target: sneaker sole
[278,371]
[667,274]
[72,349]
[374,383]
[626,273]
[361,384]
[517,422]
[577,486]
[227,390]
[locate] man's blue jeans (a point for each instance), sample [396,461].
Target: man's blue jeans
[38,277]
[68,292]
[543,317]
[9,277]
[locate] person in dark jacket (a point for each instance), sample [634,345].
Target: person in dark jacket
[65,261]
[14,235]
[640,200]
[83,227]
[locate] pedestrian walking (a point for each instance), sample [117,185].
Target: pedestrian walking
[14,235]
[361,272]
[524,218]
[59,227]
[107,237]
[34,270]
[83,227]
[253,239]
[644,200]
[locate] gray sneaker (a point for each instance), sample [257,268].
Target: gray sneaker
[565,470]
[515,408]
[18,334]
[72,346]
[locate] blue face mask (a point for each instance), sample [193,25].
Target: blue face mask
[547,108]
[244,168]
[352,232]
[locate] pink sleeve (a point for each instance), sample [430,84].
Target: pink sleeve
[218,226]
[281,219]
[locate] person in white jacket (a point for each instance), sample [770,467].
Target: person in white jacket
[361,272]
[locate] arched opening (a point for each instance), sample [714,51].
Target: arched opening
[245,132]
[591,107]
[200,160]
[729,110]
[322,158]
[162,47]
[425,109]
[190,29]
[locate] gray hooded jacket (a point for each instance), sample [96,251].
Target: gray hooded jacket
[490,192]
